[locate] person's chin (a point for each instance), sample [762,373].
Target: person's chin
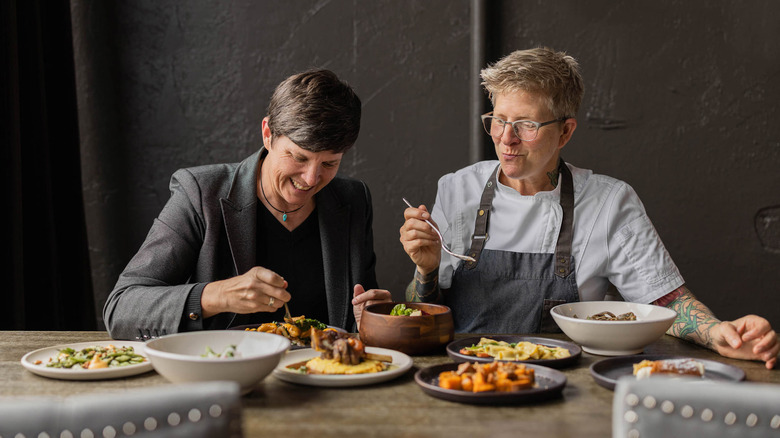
[300,197]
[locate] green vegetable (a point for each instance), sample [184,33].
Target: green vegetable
[308,322]
[229,353]
[402,310]
[113,356]
[301,370]
[398,310]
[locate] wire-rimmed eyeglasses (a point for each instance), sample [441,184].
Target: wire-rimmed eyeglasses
[525,130]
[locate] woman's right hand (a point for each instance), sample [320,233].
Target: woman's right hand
[420,242]
[257,290]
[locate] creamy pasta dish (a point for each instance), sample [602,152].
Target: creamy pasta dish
[514,351]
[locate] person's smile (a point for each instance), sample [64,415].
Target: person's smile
[300,186]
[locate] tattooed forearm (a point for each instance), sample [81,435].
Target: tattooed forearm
[424,287]
[694,320]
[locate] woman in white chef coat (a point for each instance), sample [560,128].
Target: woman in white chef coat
[544,232]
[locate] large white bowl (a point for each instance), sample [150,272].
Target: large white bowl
[613,338]
[178,357]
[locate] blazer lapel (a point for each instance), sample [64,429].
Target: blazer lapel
[334,235]
[239,211]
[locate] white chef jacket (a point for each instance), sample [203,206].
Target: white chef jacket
[614,240]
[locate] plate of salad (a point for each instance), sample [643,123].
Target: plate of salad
[95,360]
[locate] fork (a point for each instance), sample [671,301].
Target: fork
[441,240]
[146,334]
[287,316]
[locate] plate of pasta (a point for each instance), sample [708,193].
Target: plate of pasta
[549,352]
[544,383]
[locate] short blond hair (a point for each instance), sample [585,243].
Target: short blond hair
[555,75]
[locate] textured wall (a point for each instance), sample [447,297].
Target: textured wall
[165,85]
[680,102]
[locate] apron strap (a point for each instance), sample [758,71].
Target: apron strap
[564,244]
[563,247]
[480,235]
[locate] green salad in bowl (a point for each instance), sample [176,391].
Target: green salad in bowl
[402,310]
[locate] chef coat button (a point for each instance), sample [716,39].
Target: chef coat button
[194,316]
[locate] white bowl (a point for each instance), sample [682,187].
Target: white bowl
[613,338]
[179,357]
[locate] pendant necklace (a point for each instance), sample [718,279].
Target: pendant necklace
[284,213]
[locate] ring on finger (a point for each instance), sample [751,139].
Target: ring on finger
[271,301]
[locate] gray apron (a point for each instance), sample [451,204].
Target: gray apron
[509,292]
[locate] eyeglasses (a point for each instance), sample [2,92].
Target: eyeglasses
[525,130]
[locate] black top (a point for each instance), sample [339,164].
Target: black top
[297,256]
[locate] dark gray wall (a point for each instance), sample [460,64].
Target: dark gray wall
[680,102]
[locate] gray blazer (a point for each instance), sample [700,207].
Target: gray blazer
[206,232]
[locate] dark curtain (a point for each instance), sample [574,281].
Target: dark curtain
[45,271]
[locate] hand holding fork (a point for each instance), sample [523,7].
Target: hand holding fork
[441,240]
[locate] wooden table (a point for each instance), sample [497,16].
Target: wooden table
[398,408]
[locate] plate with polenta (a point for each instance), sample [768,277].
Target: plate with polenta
[307,367]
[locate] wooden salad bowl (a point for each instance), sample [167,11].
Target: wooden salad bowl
[412,335]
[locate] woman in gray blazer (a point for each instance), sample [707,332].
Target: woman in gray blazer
[235,242]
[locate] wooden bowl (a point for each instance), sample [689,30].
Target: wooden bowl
[407,334]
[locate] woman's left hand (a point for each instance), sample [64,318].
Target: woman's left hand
[363,298]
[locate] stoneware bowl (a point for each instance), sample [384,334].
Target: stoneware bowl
[179,357]
[613,338]
[407,334]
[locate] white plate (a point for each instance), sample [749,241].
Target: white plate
[401,364]
[43,355]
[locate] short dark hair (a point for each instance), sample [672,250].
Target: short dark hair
[316,110]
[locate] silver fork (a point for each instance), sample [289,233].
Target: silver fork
[146,334]
[441,240]
[287,316]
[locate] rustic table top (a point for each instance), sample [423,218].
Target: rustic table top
[395,408]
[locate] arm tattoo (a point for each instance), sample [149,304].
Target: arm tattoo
[553,177]
[694,320]
[424,288]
